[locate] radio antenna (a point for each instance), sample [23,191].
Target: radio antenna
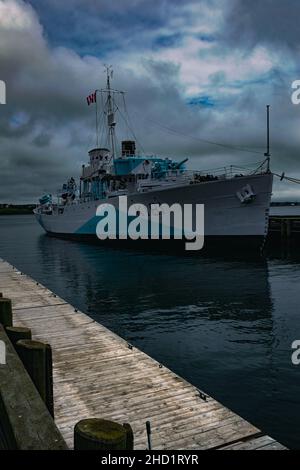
[268,154]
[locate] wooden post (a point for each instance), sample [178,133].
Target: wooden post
[25,422]
[282,229]
[37,359]
[100,434]
[16,333]
[6,317]
[130,437]
[49,380]
[288,229]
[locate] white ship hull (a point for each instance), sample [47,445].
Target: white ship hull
[225,215]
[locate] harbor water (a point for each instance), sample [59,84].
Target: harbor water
[226,325]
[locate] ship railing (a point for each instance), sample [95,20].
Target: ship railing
[85,197]
[226,172]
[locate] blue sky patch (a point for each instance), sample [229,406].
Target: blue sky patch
[170,40]
[205,100]
[206,37]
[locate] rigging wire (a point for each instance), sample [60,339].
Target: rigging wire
[162,127]
[129,123]
[131,130]
[175,132]
[260,166]
[97,135]
[288,178]
[102,127]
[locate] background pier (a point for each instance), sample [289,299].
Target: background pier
[284,223]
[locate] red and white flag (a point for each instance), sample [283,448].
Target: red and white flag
[91,98]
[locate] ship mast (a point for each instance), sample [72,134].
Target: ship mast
[110,111]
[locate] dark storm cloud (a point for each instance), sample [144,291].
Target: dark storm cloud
[183,83]
[273,22]
[99,27]
[46,127]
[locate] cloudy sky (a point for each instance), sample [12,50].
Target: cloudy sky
[195,72]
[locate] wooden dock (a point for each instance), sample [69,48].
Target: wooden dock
[98,374]
[284,223]
[284,228]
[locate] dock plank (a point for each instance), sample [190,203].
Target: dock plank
[96,374]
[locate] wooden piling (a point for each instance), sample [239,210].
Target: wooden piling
[288,229]
[16,333]
[25,422]
[6,317]
[284,229]
[37,359]
[130,436]
[99,434]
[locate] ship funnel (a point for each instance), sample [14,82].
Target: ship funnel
[128,148]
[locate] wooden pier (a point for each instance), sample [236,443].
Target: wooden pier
[284,223]
[98,374]
[284,229]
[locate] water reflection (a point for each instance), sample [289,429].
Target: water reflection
[117,285]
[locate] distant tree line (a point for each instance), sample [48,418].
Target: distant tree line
[16,209]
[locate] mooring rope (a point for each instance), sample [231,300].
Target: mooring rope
[288,178]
